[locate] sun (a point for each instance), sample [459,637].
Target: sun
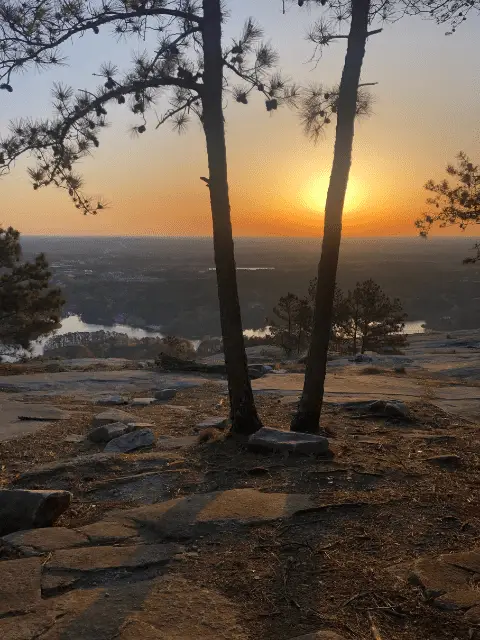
[314,194]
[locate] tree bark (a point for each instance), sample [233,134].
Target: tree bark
[307,418]
[242,406]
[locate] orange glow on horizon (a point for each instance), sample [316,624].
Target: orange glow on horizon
[314,194]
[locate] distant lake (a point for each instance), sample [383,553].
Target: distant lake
[415,326]
[74,323]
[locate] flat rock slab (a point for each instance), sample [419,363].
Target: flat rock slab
[111,401]
[447,579]
[112,415]
[276,440]
[52,583]
[111,557]
[167,608]
[96,464]
[42,412]
[446,461]
[256,371]
[142,402]
[165,394]
[140,425]
[144,488]
[104,532]
[87,385]
[108,432]
[473,615]
[39,541]
[24,509]
[131,441]
[185,517]
[52,470]
[440,438]
[169,443]
[29,626]
[469,560]
[175,609]
[20,586]
[213,423]
[74,438]
[459,599]
[177,407]
[436,578]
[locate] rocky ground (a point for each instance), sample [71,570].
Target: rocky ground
[196,536]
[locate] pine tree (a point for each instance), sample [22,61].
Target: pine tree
[29,306]
[345,103]
[457,204]
[284,327]
[376,321]
[191,68]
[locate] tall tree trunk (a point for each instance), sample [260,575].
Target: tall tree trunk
[308,416]
[242,406]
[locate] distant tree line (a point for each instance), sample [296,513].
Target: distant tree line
[364,319]
[112,344]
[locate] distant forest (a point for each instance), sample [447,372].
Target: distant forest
[169,282]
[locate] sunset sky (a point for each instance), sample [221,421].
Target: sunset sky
[426,109]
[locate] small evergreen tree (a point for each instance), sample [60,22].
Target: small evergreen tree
[365,318]
[376,321]
[179,347]
[29,306]
[284,327]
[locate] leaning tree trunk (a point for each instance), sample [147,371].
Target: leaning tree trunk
[242,406]
[308,416]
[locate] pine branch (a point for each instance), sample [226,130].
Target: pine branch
[38,46]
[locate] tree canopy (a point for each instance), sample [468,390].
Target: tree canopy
[375,321]
[168,71]
[456,204]
[29,306]
[365,318]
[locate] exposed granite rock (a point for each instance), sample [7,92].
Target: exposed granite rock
[273,440]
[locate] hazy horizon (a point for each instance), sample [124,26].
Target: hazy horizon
[443,237]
